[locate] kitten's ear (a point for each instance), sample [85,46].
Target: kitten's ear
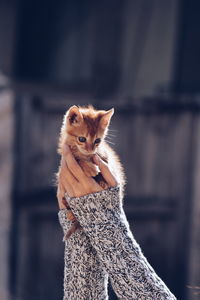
[106,117]
[74,116]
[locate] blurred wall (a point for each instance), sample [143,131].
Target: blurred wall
[6,167]
[132,55]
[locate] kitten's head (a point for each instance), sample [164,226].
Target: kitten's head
[86,127]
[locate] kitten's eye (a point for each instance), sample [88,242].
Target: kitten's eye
[82,139]
[97,141]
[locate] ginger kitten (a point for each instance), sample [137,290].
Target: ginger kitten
[84,129]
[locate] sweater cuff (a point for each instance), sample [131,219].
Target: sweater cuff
[96,208]
[105,199]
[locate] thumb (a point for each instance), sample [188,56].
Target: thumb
[107,175]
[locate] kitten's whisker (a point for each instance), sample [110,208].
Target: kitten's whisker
[109,142]
[111,135]
[112,129]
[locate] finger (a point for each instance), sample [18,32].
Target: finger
[67,179]
[68,187]
[60,194]
[65,203]
[69,191]
[73,165]
[107,175]
[66,173]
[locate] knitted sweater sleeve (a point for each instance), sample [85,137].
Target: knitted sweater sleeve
[104,222]
[84,276]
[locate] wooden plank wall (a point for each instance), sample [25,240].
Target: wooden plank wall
[194,225]
[158,150]
[6,172]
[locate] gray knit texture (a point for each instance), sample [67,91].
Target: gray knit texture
[106,241]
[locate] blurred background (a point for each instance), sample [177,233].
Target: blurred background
[141,57]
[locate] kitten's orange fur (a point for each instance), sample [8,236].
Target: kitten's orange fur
[91,124]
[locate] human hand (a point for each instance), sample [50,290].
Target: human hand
[74,180]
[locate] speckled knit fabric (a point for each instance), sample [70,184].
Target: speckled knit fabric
[84,277]
[109,241]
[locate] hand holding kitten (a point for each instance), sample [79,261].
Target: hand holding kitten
[75,182]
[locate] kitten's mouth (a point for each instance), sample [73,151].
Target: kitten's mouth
[87,153]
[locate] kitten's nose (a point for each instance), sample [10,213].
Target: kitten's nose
[90,147]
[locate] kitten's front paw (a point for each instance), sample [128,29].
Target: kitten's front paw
[104,185]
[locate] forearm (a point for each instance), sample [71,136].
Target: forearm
[84,277]
[105,224]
